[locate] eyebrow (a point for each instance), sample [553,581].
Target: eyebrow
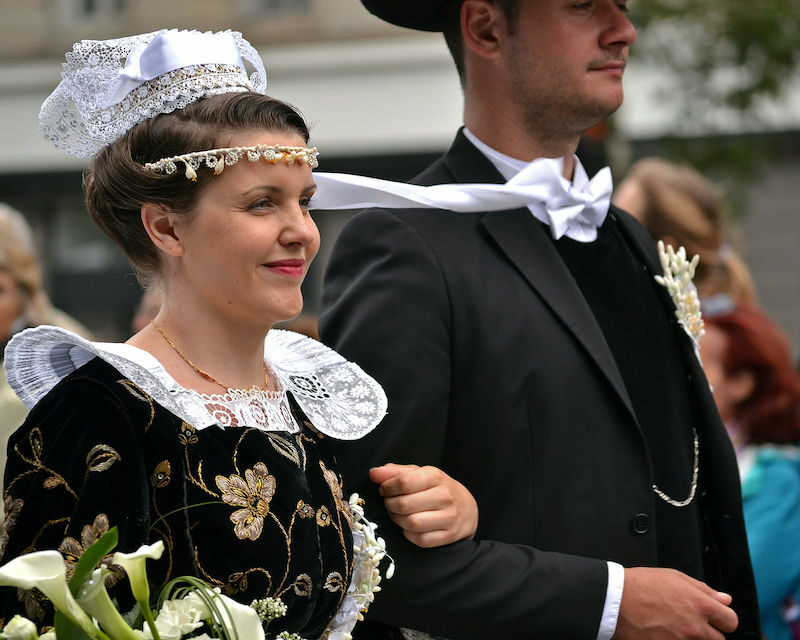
[274,189]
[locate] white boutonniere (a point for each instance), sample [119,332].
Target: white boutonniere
[677,279]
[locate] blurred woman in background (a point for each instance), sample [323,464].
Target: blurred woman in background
[682,208]
[757,391]
[23,304]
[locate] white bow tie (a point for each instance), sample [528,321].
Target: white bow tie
[539,185]
[577,212]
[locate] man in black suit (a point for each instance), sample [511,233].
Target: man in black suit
[540,364]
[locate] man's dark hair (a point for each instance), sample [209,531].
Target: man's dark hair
[452,28]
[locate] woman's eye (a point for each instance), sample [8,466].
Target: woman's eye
[264,203]
[305,202]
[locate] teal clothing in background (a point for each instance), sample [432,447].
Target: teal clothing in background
[771,500]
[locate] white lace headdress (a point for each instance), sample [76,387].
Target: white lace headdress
[108,86]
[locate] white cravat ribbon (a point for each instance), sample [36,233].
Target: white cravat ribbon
[540,182]
[167,51]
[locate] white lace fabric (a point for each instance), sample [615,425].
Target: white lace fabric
[337,396]
[76,118]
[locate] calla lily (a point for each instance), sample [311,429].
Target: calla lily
[94,599]
[19,628]
[50,635]
[46,571]
[134,565]
[240,617]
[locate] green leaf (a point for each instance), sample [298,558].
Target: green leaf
[90,559]
[66,630]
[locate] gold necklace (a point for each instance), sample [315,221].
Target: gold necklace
[205,374]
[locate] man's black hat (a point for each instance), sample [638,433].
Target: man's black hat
[425,15]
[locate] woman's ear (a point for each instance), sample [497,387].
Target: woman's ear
[161,226]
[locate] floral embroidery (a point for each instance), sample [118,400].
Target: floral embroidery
[254,493]
[161,474]
[71,549]
[187,434]
[323,516]
[305,510]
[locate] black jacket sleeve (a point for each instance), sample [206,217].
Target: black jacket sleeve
[387,306]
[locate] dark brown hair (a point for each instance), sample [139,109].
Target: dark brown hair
[116,184]
[451,28]
[771,414]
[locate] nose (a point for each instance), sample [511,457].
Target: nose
[300,228]
[620,31]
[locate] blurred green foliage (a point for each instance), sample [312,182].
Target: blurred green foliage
[722,59]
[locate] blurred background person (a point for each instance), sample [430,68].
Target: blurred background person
[23,304]
[676,204]
[748,363]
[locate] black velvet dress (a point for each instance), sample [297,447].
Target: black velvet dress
[255,512]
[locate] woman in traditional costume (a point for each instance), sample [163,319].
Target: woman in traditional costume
[206,429]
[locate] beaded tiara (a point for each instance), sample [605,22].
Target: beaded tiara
[109,86]
[218,159]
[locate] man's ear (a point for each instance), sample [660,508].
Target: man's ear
[161,226]
[483,25]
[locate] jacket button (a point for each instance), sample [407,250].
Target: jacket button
[640,524]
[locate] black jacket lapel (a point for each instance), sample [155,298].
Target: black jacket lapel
[527,246]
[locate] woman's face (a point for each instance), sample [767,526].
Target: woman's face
[248,243]
[10,303]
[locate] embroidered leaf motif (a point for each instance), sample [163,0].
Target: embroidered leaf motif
[52,482]
[35,439]
[334,582]
[101,457]
[134,390]
[284,447]
[161,475]
[303,586]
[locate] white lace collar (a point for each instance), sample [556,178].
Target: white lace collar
[339,398]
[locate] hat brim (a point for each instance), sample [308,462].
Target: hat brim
[423,15]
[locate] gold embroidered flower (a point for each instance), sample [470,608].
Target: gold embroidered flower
[187,434]
[161,474]
[305,510]
[72,550]
[323,516]
[254,493]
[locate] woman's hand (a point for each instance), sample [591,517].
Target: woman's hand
[429,506]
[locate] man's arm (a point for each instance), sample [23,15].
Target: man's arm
[386,307]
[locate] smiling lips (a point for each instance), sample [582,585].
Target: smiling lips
[291,268]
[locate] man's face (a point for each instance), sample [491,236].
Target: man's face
[566,60]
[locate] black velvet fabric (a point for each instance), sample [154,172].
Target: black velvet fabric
[255,513]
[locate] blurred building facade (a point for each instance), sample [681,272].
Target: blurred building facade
[380,100]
